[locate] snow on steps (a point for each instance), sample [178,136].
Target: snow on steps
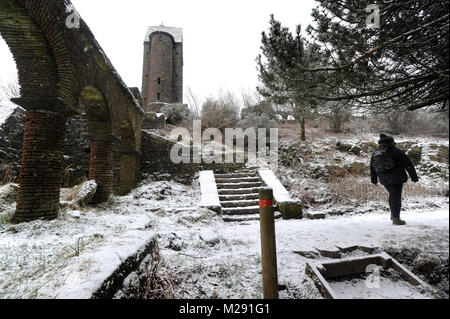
[238,180]
[238,210]
[209,194]
[235,195]
[241,203]
[246,218]
[238,194]
[289,207]
[239,185]
[225,198]
[239,191]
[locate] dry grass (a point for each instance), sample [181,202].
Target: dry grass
[293,131]
[159,283]
[361,191]
[7,174]
[71,193]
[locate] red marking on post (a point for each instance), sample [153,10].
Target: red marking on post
[265,203]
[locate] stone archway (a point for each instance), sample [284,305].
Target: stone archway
[101,163]
[57,66]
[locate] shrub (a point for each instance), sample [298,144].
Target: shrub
[220,114]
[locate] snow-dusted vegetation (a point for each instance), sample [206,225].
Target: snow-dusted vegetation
[207,258]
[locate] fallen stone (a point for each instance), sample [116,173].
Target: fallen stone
[86,193]
[315,215]
[291,209]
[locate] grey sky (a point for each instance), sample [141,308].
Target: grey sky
[221,38]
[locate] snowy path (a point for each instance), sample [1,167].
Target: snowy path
[231,269]
[46,260]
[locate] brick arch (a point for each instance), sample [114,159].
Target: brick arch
[101,163]
[36,66]
[57,65]
[43,61]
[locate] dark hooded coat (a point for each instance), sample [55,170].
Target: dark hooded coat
[403,164]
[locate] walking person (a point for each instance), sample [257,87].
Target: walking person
[389,165]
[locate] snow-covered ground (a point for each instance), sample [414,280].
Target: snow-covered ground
[232,268]
[69,256]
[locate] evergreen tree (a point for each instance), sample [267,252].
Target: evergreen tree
[401,64]
[281,65]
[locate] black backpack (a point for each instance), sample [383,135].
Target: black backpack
[383,161]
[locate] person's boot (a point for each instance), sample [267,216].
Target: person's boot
[398,222]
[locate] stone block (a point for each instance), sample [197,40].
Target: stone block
[291,209]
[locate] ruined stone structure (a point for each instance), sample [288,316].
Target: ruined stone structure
[162,76]
[58,67]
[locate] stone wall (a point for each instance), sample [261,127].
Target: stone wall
[77,149]
[156,159]
[152,120]
[11,142]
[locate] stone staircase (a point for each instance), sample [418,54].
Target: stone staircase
[239,195]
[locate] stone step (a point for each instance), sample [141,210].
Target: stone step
[245,218]
[235,175]
[239,180]
[245,171]
[241,210]
[239,191]
[238,185]
[226,198]
[239,203]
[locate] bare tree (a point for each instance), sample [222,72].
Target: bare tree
[250,97]
[221,112]
[9,90]
[193,102]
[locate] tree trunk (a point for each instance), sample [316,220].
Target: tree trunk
[302,125]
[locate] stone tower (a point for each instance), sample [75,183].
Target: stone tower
[162,79]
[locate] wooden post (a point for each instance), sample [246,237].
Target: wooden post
[268,244]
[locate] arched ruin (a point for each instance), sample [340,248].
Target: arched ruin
[58,66]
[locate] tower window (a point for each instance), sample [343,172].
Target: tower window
[159,81]
[158,96]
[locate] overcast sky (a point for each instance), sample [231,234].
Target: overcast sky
[221,38]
